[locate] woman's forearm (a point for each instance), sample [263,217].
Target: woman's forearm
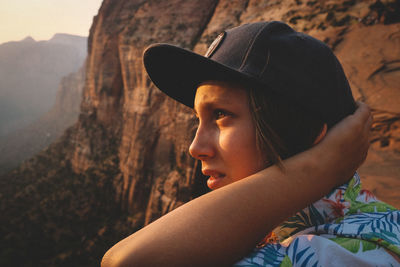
[222,226]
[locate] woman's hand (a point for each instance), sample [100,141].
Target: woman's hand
[346,145]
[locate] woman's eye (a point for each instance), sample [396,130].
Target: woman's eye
[219,114]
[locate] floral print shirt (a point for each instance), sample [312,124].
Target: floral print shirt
[347,227]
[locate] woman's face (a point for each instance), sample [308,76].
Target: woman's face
[225,139]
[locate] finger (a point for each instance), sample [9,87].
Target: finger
[363,111]
[370,121]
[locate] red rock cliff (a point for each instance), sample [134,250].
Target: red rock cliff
[153,132]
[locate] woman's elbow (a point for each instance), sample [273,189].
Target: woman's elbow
[110,259]
[117,258]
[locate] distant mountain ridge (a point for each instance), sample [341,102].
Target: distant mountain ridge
[27,39]
[30,72]
[67,39]
[64,38]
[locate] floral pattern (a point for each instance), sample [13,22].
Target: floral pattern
[347,227]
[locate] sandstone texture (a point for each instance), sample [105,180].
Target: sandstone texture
[125,162]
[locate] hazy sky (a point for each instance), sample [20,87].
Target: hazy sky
[41,19]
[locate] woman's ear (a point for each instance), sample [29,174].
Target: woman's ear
[321,134]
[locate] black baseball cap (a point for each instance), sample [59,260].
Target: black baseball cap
[268,55]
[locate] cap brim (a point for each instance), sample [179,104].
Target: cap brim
[178,72]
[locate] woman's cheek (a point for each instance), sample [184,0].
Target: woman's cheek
[229,140]
[237,146]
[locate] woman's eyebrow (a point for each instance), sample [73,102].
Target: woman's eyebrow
[204,106]
[212,104]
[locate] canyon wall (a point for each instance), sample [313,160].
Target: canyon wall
[125,162]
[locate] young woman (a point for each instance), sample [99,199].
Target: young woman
[269,101]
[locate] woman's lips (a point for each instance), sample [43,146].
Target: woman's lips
[215,179]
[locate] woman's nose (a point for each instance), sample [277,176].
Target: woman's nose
[202,147]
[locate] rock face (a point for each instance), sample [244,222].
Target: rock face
[125,162]
[371,60]
[133,114]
